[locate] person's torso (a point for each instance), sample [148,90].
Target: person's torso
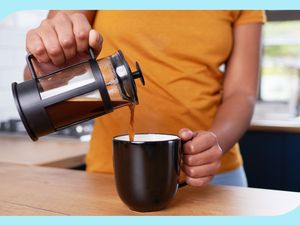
[180,54]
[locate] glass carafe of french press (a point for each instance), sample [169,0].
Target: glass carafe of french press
[75,93]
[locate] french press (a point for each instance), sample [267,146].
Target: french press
[75,93]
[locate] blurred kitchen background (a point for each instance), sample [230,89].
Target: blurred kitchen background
[271,147]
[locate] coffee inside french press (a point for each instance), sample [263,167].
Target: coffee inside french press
[75,93]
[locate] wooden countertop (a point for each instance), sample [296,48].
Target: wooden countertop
[279,125]
[275,126]
[53,152]
[275,117]
[30,190]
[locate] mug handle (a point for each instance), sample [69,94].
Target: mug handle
[180,185]
[183,183]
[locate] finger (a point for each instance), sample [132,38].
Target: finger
[51,43]
[198,182]
[81,29]
[35,46]
[202,171]
[186,134]
[200,143]
[64,29]
[204,157]
[95,41]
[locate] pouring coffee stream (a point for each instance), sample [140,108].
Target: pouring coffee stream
[76,93]
[131,131]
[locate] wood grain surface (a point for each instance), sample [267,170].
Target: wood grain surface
[30,190]
[292,126]
[53,152]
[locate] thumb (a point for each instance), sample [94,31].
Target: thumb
[186,134]
[95,41]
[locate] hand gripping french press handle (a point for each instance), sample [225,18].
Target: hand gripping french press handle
[30,56]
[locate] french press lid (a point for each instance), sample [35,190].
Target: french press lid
[126,77]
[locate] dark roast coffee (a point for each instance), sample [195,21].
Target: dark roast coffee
[131,131]
[77,109]
[146,170]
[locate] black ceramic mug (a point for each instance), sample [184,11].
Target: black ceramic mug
[147,170]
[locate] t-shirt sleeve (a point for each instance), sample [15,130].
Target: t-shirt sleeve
[250,16]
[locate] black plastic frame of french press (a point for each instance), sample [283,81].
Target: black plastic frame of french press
[99,84]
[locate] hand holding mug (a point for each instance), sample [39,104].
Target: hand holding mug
[201,156]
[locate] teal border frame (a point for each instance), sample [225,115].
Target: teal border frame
[290,218]
[10,6]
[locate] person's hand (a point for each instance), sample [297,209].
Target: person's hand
[201,156]
[61,37]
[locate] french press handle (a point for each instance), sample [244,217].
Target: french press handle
[30,56]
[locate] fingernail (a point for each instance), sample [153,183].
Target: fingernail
[188,133]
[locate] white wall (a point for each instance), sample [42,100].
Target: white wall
[13,31]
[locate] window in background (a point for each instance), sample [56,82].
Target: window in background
[281,61]
[13,31]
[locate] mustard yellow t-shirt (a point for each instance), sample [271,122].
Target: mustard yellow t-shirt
[180,53]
